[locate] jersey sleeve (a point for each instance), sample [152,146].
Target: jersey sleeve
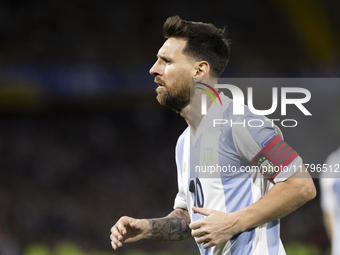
[327,182]
[265,149]
[180,199]
[327,196]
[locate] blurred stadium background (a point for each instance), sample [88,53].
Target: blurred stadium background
[83,140]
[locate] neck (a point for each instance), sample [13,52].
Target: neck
[192,113]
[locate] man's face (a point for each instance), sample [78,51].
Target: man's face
[172,72]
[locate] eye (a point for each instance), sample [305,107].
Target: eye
[167,61]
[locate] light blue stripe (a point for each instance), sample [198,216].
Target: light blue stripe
[243,244]
[238,195]
[273,237]
[237,191]
[336,188]
[259,134]
[227,147]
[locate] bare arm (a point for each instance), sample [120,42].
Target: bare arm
[174,227]
[282,199]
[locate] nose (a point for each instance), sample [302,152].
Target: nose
[155,69]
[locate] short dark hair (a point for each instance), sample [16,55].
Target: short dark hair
[204,41]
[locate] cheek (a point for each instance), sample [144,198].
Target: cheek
[168,73]
[171,71]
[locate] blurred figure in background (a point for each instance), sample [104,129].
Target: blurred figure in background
[330,200]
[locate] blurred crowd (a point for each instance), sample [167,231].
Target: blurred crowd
[72,176]
[125,35]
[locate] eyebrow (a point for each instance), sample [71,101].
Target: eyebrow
[163,58]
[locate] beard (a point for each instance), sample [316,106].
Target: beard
[176,96]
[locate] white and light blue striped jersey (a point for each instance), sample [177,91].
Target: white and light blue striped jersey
[213,174]
[330,197]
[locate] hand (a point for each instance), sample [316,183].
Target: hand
[127,230]
[215,228]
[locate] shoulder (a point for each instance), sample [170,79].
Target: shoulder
[181,138]
[334,157]
[331,161]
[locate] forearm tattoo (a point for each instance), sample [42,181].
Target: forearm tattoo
[174,227]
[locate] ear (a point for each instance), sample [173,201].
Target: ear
[202,70]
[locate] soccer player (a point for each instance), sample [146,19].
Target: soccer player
[330,200]
[227,214]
